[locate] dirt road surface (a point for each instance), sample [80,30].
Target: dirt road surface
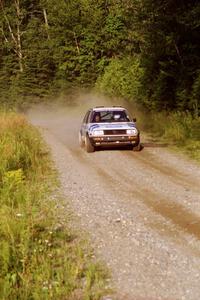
[141,209]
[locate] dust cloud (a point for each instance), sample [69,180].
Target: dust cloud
[63,116]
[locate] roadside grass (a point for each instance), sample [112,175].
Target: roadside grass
[40,258]
[179,130]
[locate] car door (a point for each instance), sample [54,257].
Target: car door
[84,126]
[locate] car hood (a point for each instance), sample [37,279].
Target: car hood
[104,126]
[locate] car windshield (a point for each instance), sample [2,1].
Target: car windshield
[110,116]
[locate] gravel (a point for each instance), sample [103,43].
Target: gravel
[141,210]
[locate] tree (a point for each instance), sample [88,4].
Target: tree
[169,34]
[13,34]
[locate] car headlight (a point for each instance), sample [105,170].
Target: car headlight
[132,131]
[97,132]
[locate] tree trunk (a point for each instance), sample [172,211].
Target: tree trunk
[15,36]
[46,22]
[76,42]
[18,36]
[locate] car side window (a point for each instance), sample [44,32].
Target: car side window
[85,120]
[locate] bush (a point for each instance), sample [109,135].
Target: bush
[180,129]
[196,94]
[122,78]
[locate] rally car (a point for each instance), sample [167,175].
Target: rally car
[108,126]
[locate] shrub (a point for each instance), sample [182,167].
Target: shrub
[180,129]
[122,78]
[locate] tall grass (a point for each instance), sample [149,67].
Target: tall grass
[39,258]
[179,129]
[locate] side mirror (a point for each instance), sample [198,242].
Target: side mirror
[134,119]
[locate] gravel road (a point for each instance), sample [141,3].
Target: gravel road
[141,209]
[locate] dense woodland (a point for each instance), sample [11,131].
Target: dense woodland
[143,50]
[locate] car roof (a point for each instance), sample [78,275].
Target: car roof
[107,108]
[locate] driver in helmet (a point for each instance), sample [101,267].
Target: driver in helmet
[97,118]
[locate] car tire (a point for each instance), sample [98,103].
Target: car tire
[137,147]
[80,139]
[88,145]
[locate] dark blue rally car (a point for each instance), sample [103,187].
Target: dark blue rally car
[108,126]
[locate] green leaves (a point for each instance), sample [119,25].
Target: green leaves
[122,78]
[76,43]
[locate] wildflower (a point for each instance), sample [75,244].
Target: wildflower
[19,215]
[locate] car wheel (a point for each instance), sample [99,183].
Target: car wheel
[88,145]
[80,139]
[137,147]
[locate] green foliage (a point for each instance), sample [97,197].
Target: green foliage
[50,47]
[196,94]
[39,258]
[169,53]
[122,78]
[180,129]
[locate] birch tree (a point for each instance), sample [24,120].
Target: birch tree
[11,30]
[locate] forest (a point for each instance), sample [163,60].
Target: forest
[146,51]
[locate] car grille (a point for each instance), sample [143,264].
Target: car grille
[114,132]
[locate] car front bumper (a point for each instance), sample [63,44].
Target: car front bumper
[115,140]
